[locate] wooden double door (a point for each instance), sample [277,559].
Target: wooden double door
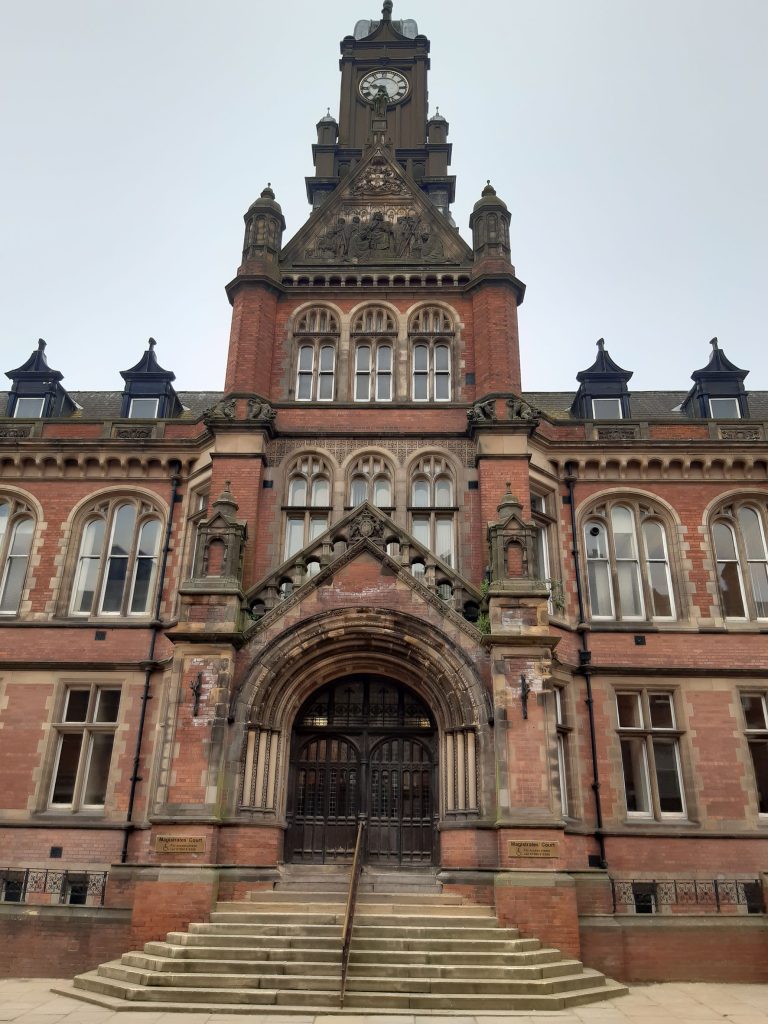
[362,747]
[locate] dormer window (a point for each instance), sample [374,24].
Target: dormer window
[607,409]
[724,409]
[143,408]
[718,389]
[37,391]
[602,393]
[28,408]
[149,392]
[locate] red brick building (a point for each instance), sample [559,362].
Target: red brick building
[522,635]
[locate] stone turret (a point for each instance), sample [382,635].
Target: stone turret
[264,227]
[489,222]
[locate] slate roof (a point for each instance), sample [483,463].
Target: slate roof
[106,405]
[645,405]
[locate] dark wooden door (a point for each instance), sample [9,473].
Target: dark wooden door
[400,818]
[362,747]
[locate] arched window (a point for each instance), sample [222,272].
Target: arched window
[741,554]
[432,503]
[373,332]
[17,527]
[116,570]
[430,332]
[628,565]
[308,502]
[370,479]
[317,333]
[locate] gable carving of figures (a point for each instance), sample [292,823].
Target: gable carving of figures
[370,234]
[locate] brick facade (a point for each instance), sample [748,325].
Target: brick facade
[472,596]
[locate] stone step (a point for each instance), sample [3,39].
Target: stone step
[475,986]
[491,932]
[252,951]
[184,997]
[153,979]
[283,928]
[256,908]
[475,972]
[398,958]
[259,910]
[297,916]
[394,1001]
[280,896]
[341,888]
[203,965]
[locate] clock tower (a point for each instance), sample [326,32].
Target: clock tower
[384,67]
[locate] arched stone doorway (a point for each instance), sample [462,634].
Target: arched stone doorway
[290,667]
[363,746]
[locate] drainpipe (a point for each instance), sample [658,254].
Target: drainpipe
[585,658]
[149,664]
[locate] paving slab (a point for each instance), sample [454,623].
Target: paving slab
[31,1002]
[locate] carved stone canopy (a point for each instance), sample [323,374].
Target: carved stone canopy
[221,539]
[512,531]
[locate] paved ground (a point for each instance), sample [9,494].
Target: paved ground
[31,1002]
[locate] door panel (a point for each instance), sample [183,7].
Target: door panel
[401,827]
[326,800]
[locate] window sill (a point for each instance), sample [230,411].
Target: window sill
[655,823]
[53,814]
[118,622]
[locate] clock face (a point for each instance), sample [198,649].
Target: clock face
[395,84]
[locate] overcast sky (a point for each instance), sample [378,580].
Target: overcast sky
[628,138]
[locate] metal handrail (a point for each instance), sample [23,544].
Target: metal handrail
[349,917]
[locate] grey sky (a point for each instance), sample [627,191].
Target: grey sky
[628,139]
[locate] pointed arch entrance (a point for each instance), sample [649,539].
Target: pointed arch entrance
[363,746]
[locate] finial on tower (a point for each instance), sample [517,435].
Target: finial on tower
[40,345]
[386,11]
[601,344]
[151,343]
[714,344]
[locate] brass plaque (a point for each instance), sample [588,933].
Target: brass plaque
[180,844]
[535,848]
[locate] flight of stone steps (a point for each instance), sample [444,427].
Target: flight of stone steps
[414,948]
